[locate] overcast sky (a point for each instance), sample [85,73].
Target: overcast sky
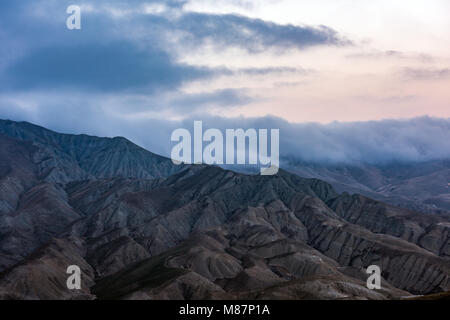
[138,68]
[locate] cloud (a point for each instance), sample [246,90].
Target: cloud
[271,70]
[122,75]
[105,67]
[373,142]
[397,99]
[392,54]
[219,98]
[40,20]
[124,48]
[426,73]
[253,35]
[178,104]
[385,141]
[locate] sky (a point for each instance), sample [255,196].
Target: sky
[322,70]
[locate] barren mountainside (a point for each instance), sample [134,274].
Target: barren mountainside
[420,186]
[66,157]
[141,228]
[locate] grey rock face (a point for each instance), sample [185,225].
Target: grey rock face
[422,186]
[428,231]
[141,230]
[65,157]
[43,274]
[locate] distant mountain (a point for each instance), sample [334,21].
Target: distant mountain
[200,233]
[421,186]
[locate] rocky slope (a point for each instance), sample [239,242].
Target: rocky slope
[422,186]
[66,157]
[199,233]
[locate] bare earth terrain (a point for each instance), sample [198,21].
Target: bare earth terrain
[141,228]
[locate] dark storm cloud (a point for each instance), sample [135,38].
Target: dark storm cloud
[46,20]
[104,67]
[129,52]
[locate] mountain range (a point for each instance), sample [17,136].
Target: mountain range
[420,186]
[140,227]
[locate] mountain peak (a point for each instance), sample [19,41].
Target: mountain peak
[98,157]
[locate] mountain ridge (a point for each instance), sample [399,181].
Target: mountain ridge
[204,232]
[421,186]
[98,157]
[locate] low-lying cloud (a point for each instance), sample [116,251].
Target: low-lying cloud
[373,142]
